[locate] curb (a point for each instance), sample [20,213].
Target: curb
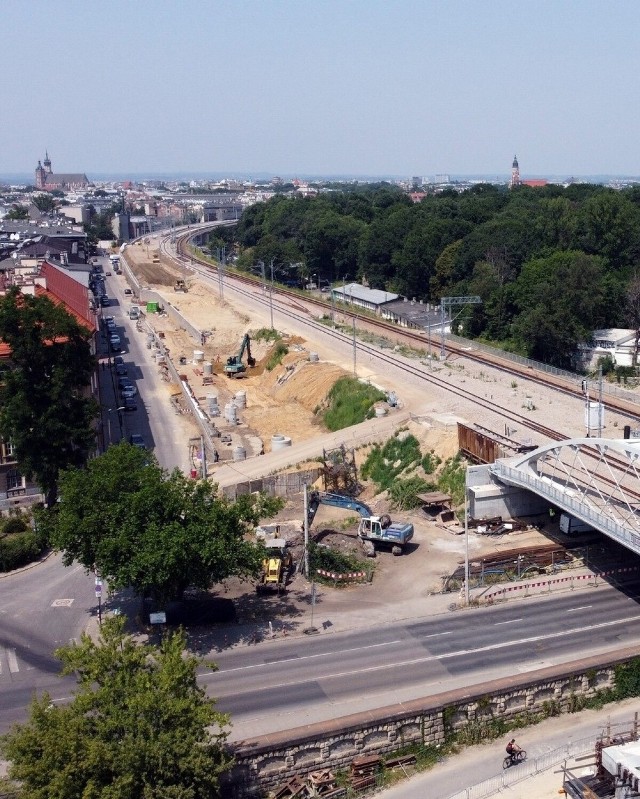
[28,566]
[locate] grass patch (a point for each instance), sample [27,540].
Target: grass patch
[384,464]
[275,359]
[350,402]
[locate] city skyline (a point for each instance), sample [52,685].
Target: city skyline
[356,89]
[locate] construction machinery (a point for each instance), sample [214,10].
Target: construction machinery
[275,567]
[377,529]
[180,285]
[235,365]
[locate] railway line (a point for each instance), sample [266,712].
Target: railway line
[629,407]
[288,304]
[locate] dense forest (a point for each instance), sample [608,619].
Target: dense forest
[550,264]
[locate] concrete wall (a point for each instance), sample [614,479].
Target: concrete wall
[265,762]
[489,498]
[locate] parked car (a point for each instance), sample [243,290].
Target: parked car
[121,369]
[128,393]
[108,274]
[137,440]
[118,360]
[114,342]
[104,300]
[128,292]
[130,404]
[124,382]
[111,325]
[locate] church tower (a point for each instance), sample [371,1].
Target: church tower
[41,176]
[47,163]
[515,173]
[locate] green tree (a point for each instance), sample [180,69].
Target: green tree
[17,212]
[43,407]
[155,532]
[138,726]
[559,301]
[44,202]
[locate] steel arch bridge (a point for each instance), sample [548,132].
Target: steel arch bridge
[596,480]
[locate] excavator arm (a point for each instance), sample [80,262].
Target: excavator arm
[317,498]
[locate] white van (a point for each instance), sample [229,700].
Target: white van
[134,312]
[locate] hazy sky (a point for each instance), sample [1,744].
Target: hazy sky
[321,87]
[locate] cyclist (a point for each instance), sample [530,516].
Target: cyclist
[513,749]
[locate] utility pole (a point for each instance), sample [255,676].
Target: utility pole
[222,259]
[354,346]
[305,526]
[600,401]
[271,293]
[448,303]
[204,458]
[466,538]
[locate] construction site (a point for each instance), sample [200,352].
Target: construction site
[258,403]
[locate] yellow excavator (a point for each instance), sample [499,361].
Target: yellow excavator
[275,567]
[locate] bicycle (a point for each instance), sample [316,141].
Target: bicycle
[514,759]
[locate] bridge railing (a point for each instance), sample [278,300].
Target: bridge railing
[601,522]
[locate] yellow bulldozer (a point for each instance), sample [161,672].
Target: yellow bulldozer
[275,567]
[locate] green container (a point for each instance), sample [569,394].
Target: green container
[152,307]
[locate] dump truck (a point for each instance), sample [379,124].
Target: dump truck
[235,365]
[377,529]
[275,567]
[180,285]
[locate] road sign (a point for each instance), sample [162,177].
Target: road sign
[98,588]
[157,618]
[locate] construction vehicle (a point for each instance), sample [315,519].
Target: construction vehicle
[180,285]
[377,529]
[275,567]
[235,365]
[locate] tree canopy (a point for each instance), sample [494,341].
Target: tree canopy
[479,241]
[138,726]
[156,532]
[43,407]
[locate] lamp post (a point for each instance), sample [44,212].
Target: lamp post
[109,411]
[466,538]
[271,292]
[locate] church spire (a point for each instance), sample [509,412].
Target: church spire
[515,173]
[47,162]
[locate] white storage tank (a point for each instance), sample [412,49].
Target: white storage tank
[279,441]
[381,410]
[207,368]
[231,412]
[240,399]
[198,356]
[239,453]
[313,357]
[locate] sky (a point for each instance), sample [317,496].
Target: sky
[395,88]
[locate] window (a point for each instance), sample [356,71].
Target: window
[14,480]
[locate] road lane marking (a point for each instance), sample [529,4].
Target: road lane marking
[298,658]
[435,635]
[437,658]
[509,621]
[582,607]
[12,660]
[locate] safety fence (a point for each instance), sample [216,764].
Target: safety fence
[342,578]
[528,768]
[501,593]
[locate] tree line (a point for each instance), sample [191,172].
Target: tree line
[549,264]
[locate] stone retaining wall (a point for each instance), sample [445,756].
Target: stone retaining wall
[264,762]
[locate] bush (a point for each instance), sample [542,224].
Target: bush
[452,479]
[384,464]
[350,402]
[18,550]
[266,334]
[403,492]
[329,560]
[430,462]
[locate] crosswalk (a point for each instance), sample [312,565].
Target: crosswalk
[9,663]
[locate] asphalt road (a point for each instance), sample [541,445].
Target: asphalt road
[43,607]
[320,677]
[154,418]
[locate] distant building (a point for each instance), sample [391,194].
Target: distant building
[48,181]
[516,180]
[515,174]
